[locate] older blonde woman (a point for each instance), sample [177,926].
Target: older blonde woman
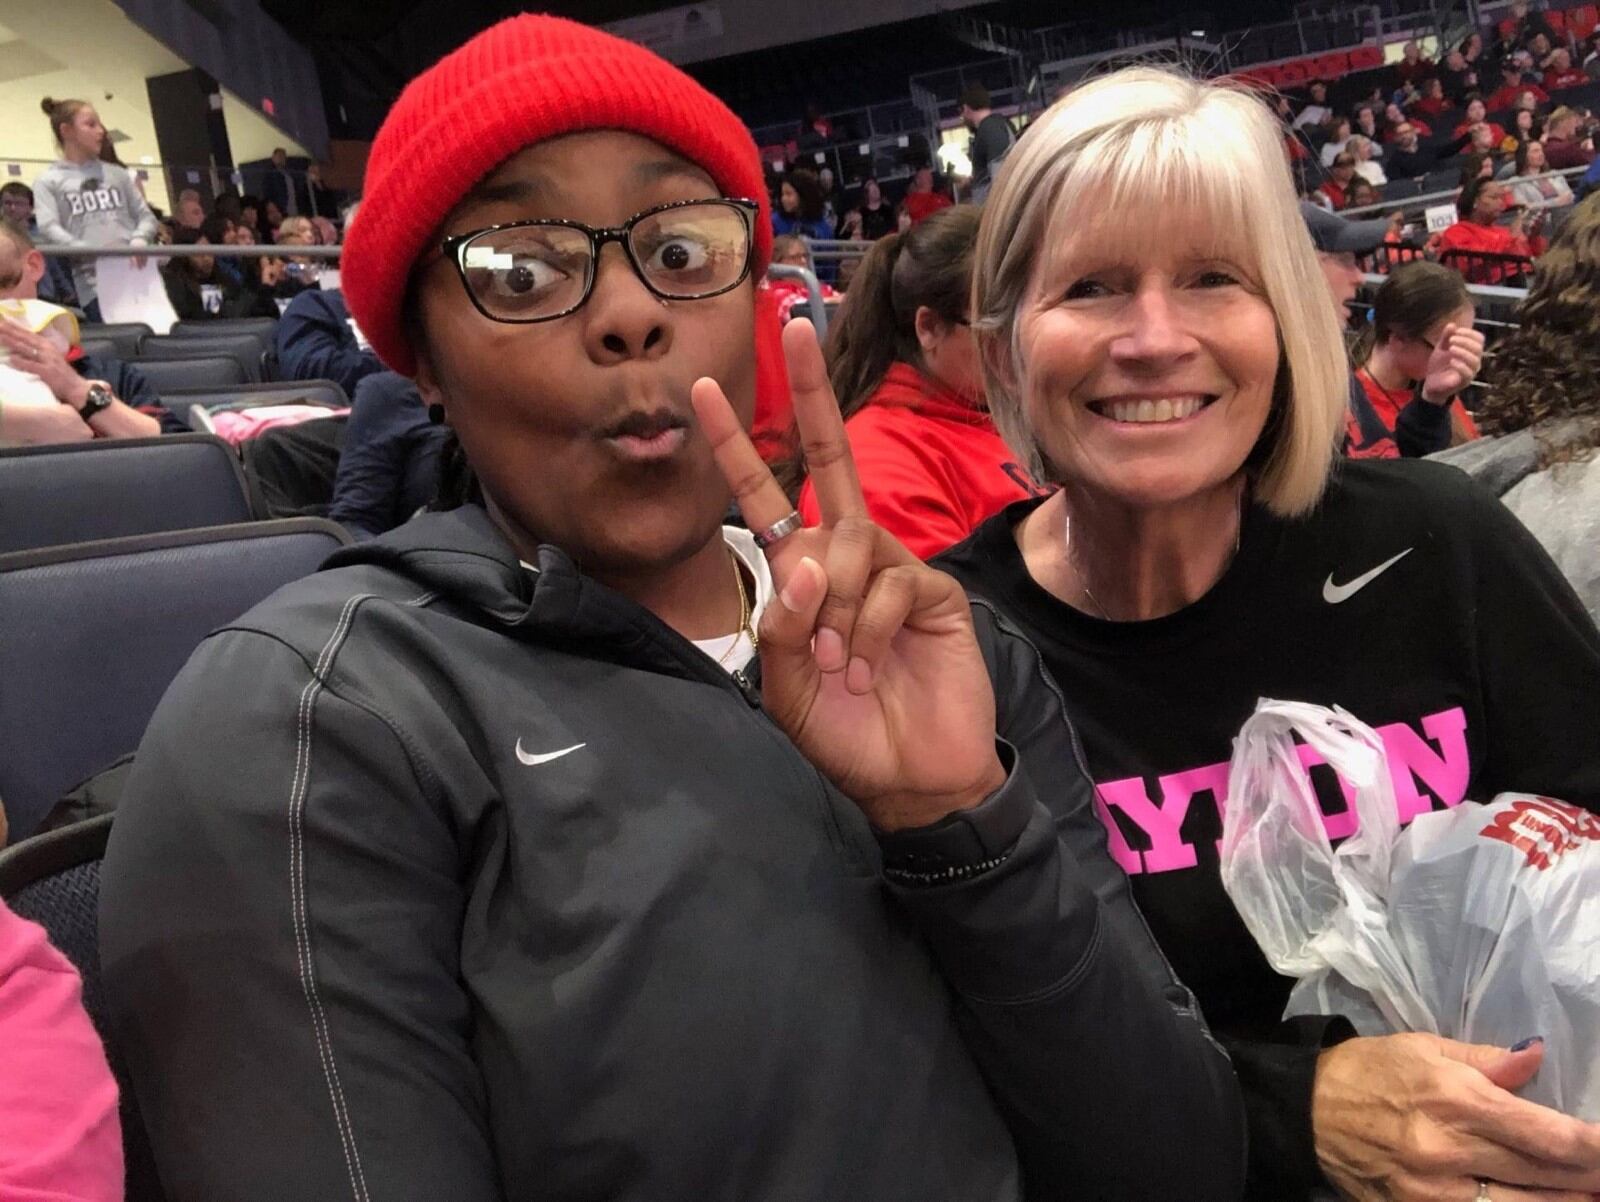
[1157,340]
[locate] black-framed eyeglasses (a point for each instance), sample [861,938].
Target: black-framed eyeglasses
[529,271]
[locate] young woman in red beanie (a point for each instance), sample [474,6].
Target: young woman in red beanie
[905,369]
[479,865]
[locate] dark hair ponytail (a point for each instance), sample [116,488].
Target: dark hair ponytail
[930,265]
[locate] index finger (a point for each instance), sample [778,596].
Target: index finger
[822,438]
[758,494]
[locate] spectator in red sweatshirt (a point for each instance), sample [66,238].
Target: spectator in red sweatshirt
[1336,188]
[1561,73]
[1477,114]
[1433,100]
[903,363]
[1481,204]
[1511,88]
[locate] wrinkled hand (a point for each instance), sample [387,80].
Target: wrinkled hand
[1454,364]
[1417,1118]
[38,356]
[868,658]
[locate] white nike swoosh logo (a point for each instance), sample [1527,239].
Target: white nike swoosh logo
[531,760]
[1334,593]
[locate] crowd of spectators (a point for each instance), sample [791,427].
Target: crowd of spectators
[1510,111]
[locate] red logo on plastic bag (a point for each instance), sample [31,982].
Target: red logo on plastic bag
[1543,830]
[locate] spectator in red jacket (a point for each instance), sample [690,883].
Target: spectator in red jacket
[1336,188]
[905,368]
[1433,100]
[922,201]
[1561,73]
[1512,86]
[1477,114]
[1481,205]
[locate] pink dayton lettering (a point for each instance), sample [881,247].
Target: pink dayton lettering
[1437,758]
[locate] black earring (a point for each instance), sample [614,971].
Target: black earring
[436,414]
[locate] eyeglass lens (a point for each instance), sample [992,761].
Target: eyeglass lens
[529,272]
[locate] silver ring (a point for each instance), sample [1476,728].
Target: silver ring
[779,530]
[1483,1191]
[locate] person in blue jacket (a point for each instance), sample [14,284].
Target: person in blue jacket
[317,340]
[389,467]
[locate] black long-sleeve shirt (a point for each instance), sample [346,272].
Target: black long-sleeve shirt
[1465,648]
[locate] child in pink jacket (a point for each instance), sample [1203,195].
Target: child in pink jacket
[59,1136]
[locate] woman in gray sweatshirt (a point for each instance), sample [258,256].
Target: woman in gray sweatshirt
[82,201]
[1544,408]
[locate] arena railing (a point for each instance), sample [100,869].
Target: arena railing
[1428,199]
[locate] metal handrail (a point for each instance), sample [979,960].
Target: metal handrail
[1408,202]
[157,251]
[819,308]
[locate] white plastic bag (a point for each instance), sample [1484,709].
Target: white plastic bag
[1480,923]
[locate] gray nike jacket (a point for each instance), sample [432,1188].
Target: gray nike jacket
[366,935]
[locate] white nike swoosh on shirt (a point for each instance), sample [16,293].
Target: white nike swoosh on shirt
[1333,593]
[531,760]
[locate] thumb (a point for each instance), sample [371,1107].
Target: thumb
[1508,1068]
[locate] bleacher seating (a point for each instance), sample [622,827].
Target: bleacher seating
[200,371]
[96,631]
[117,487]
[245,347]
[126,336]
[263,328]
[54,880]
[101,348]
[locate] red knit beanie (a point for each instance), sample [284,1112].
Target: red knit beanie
[522,81]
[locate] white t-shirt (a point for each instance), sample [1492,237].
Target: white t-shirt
[737,647]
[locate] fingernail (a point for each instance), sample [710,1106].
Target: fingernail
[1527,1043]
[829,650]
[858,676]
[789,594]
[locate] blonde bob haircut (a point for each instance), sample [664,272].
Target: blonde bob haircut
[1122,160]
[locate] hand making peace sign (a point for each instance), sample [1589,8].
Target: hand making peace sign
[868,658]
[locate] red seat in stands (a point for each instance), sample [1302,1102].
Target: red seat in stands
[1290,74]
[1507,27]
[1557,19]
[1581,21]
[1331,66]
[1365,58]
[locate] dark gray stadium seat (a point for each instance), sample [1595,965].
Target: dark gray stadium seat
[54,880]
[246,348]
[101,348]
[127,335]
[207,371]
[117,487]
[264,328]
[95,633]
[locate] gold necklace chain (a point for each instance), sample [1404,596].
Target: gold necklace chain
[744,614]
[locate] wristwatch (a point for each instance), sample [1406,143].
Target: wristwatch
[99,399]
